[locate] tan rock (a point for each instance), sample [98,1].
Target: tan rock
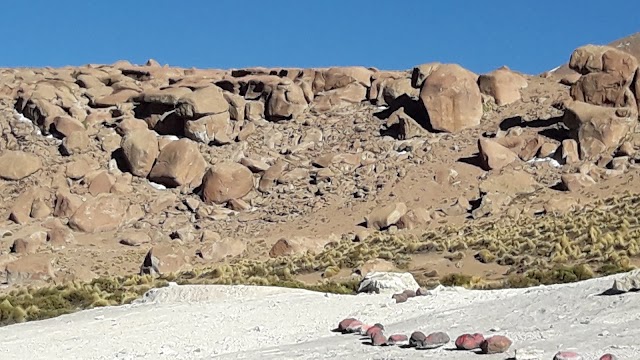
[285,102]
[570,151]
[255,165]
[547,150]
[404,127]
[219,250]
[254,110]
[102,213]
[77,169]
[511,183]
[129,124]
[268,179]
[600,89]
[577,181]
[27,268]
[166,96]
[60,236]
[65,125]
[226,181]
[376,265]
[560,206]
[420,73]
[385,216]
[205,101]
[503,85]
[179,163]
[21,208]
[211,128]
[17,165]
[140,148]
[66,204]
[76,143]
[237,105]
[493,155]
[101,183]
[599,129]
[338,77]
[284,247]
[164,259]
[414,218]
[115,98]
[531,148]
[596,58]
[452,98]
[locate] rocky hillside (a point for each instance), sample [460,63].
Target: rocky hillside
[123,169]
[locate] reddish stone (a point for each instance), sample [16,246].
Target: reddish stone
[608,357]
[354,327]
[373,330]
[495,344]
[397,338]
[378,339]
[469,341]
[567,355]
[342,326]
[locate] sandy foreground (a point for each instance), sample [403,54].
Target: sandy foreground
[246,322]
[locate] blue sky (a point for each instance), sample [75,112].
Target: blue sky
[529,36]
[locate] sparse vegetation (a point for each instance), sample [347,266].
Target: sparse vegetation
[597,241]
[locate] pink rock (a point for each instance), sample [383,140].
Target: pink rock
[399,298]
[344,324]
[409,293]
[469,341]
[608,357]
[378,339]
[567,355]
[354,327]
[495,344]
[397,338]
[373,330]
[435,340]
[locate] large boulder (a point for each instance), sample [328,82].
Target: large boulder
[493,155]
[597,58]
[210,129]
[205,101]
[286,101]
[140,148]
[17,165]
[105,212]
[598,129]
[179,163]
[385,216]
[338,77]
[503,85]
[452,98]
[226,181]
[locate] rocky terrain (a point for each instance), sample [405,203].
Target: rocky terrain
[116,178]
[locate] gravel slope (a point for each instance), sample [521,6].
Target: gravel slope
[243,322]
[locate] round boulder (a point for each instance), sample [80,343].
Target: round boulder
[226,181]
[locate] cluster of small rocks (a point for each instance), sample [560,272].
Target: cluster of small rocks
[495,344]
[419,340]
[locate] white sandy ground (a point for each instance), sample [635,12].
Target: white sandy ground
[243,322]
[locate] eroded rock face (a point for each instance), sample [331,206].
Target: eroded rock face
[452,98]
[226,181]
[179,163]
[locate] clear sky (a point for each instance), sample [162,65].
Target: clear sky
[529,36]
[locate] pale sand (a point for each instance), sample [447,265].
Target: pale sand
[238,322]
